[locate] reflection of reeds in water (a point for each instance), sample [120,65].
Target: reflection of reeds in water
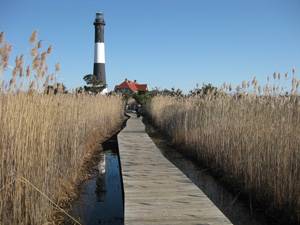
[252,136]
[45,138]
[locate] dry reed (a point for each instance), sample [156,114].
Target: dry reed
[250,137]
[45,139]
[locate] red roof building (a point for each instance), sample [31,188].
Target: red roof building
[127,87]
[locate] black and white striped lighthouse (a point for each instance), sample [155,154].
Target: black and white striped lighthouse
[99,57]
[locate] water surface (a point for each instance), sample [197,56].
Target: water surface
[101,198]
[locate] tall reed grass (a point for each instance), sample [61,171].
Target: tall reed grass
[45,139]
[252,138]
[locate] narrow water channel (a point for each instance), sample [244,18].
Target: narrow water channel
[237,210]
[101,198]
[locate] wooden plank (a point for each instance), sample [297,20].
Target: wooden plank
[157,192]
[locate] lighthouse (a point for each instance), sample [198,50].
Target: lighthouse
[99,54]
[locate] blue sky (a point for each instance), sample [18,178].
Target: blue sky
[165,43]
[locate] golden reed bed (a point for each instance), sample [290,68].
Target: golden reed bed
[44,139]
[254,139]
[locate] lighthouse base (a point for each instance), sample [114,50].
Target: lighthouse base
[104,91]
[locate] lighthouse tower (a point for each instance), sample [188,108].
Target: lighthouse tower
[99,55]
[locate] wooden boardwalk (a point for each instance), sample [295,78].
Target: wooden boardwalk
[157,192]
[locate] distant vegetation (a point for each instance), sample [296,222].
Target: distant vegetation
[251,133]
[144,97]
[93,85]
[45,139]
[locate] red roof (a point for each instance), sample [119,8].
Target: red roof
[131,85]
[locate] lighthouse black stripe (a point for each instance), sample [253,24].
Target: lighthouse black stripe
[99,72]
[99,32]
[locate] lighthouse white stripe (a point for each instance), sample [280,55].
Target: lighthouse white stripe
[99,53]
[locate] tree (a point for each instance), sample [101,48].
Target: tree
[142,97]
[204,90]
[168,92]
[93,84]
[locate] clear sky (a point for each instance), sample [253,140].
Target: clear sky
[165,43]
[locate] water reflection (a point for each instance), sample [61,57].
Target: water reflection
[101,198]
[100,182]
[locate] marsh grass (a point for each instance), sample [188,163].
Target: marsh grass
[252,137]
[45,140]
